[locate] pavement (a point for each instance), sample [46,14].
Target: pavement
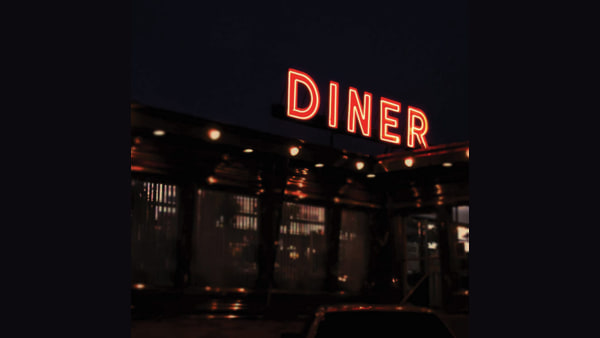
[188,327]
[237,315]
[193,326]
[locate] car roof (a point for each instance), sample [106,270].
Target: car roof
[353,307]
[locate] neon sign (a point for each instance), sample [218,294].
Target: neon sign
[359,111]
[294,78]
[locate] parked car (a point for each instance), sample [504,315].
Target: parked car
[373,320]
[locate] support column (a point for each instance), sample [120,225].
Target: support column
[332,231]
[187,202]
[445,219]
[400,265]
[274,178]
[381,256]
[333,181]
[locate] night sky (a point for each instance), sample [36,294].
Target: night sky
[228,61]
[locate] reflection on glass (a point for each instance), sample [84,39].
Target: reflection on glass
[463,237]
[154,232]
[224,240]
[353,251]
[301,255]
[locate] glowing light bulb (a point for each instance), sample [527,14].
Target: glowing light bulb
[214,134]
[294,151]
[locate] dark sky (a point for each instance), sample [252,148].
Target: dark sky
[228,61]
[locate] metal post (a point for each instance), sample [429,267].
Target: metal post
[444,218]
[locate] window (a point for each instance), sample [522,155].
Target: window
[154,232]
[460,214]
[301,248]
[463,237]
[224,240]
[354,250]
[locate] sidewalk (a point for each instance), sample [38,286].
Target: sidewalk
[201,327]
[247,315]
[191,327]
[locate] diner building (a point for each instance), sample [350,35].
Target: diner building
[219,209]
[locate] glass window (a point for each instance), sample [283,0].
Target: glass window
[460,214]
[413,247]
[462,257]
[154,232]
[224,240]
[463,237]
[301,248]
[354,250]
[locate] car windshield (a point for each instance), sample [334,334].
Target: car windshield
[375,324]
